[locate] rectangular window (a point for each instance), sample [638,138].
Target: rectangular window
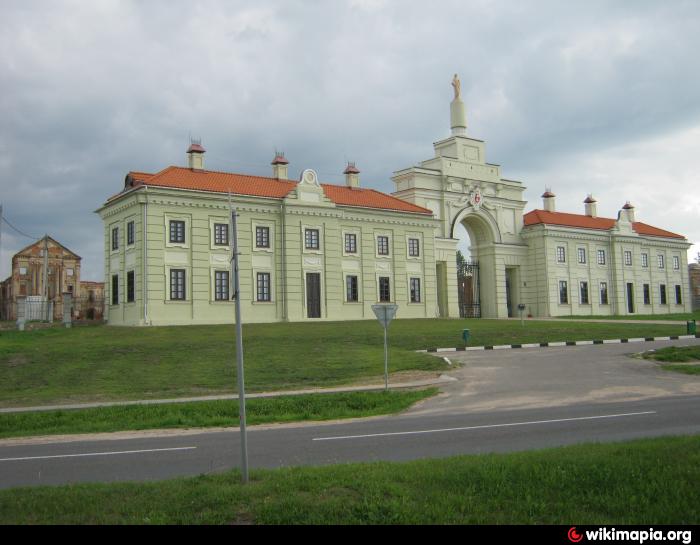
[584,293]
[628,258]
[263,287]
[678,295]
[311,239]
[351,289]
[350,243]
[603,293]
[601,257]
[582,255]
[415,290]
[115,289]
[130,286]
[382,245]
[414,247]
[130,233]
[384,289]
[177,231]
[69,272]
[221,234]
[660,259]
[221,284]
[645,260]
[23,270]
[563,292]
[647,294]
[262,237]
[115,238]
[662,293]
[177,284]
[561,254]
[676,262]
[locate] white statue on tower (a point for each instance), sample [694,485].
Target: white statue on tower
[458,87]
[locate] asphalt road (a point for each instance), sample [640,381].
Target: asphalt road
[445,426]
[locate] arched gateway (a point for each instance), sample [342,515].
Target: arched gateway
[461,188]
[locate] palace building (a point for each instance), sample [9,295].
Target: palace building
[315,251]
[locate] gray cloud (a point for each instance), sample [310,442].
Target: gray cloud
[93,90]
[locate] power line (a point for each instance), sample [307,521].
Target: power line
[18,230]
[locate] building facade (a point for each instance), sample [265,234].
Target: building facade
[694,273]
[313,251]
[35,279]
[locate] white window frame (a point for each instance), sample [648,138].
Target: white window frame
[321,240]
[388,243]
[581,255]
[561,254]
[168,217]
[627,258]
[358,242]
[359,287]
[271,238]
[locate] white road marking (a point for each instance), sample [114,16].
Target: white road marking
[481,427]
[94,454]
[557,344]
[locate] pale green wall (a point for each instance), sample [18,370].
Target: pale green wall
[287,261]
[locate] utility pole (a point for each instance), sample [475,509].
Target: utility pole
[239,347]
[46,277]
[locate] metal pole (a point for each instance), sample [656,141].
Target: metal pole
[386,362]
[46,276]
[239,352]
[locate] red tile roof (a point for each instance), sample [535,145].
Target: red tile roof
[259,186]
[537,217]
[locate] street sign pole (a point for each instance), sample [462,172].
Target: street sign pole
[385,314]
[386,362]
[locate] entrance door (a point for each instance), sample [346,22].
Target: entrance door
[313,295]
[630,298]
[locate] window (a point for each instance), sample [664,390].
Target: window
[603,293]
[581,255]
[561,254]
[662,293]
[311,239]
[130,233]
[177,284]
[351,289]
[584,293]
[115,238]
[678,295]
[660,259]
[221,285]
[221,234]
[23,270]
[645,260]
[382,245]
[130,286]
[115,289]
[69,272]
[414,247]
[628,258]
[601,257]
[384,289]
[177,231]
[647,294]
[351,244]
[563,293]
[415,290]
[676,262]
[262,237]
[263,285]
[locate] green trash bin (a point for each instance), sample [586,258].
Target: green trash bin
[691,327]
[465,335]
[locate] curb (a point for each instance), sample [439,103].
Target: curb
[561,343]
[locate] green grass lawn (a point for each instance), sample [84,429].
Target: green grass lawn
[210,413]
[120,363]
[695,315]
[684,355]
[648,482]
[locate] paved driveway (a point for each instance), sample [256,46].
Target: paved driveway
[548,377]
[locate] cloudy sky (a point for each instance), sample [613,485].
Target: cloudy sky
[597,97]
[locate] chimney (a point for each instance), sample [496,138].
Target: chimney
[195,155]
[352,175]
[591,206]
[628,210]
[279,166]
[548,200]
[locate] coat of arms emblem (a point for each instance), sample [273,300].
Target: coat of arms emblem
[476,198]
